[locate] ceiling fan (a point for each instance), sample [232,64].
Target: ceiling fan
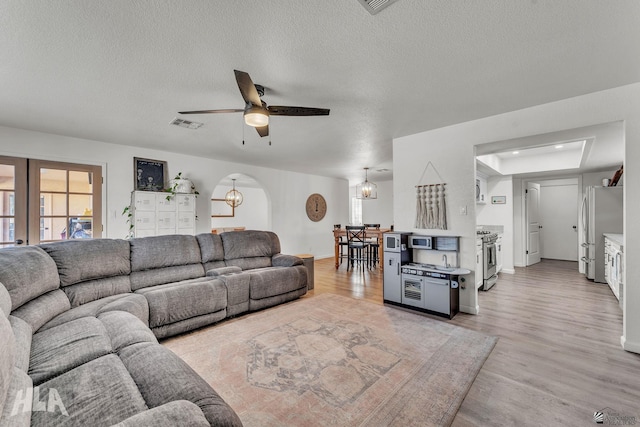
[256,112]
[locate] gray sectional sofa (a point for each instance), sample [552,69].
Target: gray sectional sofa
[80,322]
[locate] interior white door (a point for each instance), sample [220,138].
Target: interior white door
[558,215]
[532,210]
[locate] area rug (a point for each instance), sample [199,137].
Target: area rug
[331,360]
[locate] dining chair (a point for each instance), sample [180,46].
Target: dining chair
[342,243]
[358,247]
[374,245]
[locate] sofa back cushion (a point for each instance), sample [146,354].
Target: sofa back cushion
[249,249]
[212,250]
[162,259]
[91,269]
[27,272]
[8,353]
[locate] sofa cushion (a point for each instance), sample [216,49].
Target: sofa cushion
[7,357]
[173,302]
[211,247]
[82,260]
[184,383]
[125,329]
[268,282]
[22,333]
[99,393]
[250,249]
[17,408]
[42,309]
[91,290]
[131,303]
[161,276]
[60,349]
[237,292]
[27,272]
[5,301]
[179,413]
[164,251]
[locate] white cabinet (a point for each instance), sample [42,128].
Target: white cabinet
[499,253]
[614,259]
[479,264]
[481,189]
[154,215]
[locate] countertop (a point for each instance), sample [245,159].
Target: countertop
[614,237]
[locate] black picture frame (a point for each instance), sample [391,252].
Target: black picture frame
[149,175]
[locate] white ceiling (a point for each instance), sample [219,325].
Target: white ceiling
[119,70]
[585,149]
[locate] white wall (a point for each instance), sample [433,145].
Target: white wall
[251,214]
[286,191]
[489,214]
[452,151]
[376,211]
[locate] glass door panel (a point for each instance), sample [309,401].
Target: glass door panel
[68,204]
[13,201]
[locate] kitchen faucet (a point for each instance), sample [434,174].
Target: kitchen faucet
[444,260]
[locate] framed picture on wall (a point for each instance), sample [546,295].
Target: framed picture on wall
[220,209]
[149,175]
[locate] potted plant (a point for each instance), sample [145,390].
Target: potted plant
[179,185]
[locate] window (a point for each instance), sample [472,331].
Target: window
[356,211]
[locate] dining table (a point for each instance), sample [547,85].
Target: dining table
[369,234]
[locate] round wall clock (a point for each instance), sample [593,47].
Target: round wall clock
[316,207]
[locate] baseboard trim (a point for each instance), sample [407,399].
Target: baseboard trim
[470,310]
[629,346]
[508,271]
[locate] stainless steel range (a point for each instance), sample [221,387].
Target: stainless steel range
[489,275]
[433,291]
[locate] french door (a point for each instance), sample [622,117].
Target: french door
[49,201]
[13,201]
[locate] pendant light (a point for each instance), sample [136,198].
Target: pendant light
[366,189]
[233,197]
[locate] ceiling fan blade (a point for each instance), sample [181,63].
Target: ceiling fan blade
[263,130]
[228,110]
[247,88]
[279,110]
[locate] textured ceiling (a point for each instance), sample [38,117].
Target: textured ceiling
[119,70]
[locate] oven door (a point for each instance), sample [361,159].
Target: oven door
[412,290]
[490,257]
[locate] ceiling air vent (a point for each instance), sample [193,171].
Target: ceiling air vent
[186,123]
[375,6]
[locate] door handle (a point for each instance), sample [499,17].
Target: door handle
[19,242]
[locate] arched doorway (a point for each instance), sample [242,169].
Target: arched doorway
[252,214]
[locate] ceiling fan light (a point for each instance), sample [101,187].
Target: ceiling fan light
[256,117]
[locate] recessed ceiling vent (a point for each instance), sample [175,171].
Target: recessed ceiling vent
[375,6]
[186,123]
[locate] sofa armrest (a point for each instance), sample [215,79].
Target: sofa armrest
[223,270]
[173,414]
[280,260]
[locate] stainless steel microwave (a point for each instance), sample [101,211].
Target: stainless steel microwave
[421,242]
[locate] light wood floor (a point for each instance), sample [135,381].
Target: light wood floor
[558,357]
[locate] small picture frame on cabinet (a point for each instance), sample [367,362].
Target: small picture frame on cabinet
[149,175]
[498,200]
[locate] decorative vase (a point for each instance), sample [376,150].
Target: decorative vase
[181,185]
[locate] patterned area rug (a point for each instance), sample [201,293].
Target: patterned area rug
[332,360]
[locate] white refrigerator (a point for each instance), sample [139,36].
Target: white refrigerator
[601,212]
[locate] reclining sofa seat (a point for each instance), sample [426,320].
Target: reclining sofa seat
[273,278]
[89,344]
